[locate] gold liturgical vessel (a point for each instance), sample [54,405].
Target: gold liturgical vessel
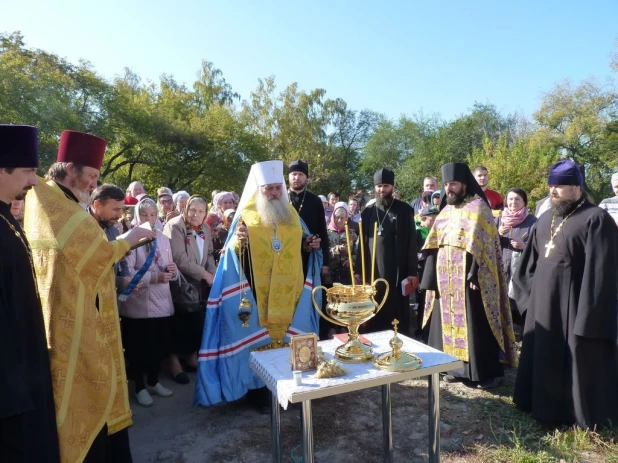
[351,306]
[244,311]
[397,360]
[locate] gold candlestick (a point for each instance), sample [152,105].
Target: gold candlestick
[362,250]
[373,256]
[347,238]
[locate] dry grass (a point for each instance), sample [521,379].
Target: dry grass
[514,437]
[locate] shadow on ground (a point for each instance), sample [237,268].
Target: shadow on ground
[347,428]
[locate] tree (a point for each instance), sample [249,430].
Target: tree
[168,135]
[523,163]
[351,133]
[306,125]
[576,120]
[41,89]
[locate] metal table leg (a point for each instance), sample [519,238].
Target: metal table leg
[434,418]
[387,423]
[307,431]
[275,428]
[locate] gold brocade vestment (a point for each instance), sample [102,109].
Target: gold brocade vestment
[75,268]
[278,276]
[456,232]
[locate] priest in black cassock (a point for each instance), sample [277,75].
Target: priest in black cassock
[309,207]
[396,253]
[27,416]
[567,282]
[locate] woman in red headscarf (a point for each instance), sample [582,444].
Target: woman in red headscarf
[192,251]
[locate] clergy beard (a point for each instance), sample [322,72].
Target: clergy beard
[80,187]
[274,212]
[298,188]
[384,200]
[83,196]
[562,206]
[455,199]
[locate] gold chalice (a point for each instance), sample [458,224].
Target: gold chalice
[351,306]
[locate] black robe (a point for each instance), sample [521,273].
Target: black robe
[28,430]
[568,371]
[396,260]
[311,210]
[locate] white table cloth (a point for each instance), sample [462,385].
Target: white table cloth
[274,368]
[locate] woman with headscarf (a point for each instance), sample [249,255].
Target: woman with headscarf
[515,227]
[146,308]
[221,202]
[339,268]
[180,199]
[339,262]
[192,250]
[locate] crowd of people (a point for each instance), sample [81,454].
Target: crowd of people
[99,285]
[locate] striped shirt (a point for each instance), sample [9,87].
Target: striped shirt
[611,206]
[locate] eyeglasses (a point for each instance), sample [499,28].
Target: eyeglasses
[166,201]
[195,211]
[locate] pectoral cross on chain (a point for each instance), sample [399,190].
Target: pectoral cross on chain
[549,246]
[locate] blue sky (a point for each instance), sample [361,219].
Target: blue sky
[394,57]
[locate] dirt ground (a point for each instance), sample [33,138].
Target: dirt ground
[347,428]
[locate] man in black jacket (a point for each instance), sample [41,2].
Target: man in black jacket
[308,206]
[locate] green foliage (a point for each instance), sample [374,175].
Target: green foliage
[161,134]
[169,135]
[306,125]
[196,138]
[415,147]
[580,122]
[524,164]
[41,89]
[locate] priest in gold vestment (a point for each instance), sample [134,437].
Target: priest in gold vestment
[262,261]
[466,306]
[75,273]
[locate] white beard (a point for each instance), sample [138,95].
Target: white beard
[272,213]
[83,197]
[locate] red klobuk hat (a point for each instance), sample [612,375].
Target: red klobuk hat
[81,148]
